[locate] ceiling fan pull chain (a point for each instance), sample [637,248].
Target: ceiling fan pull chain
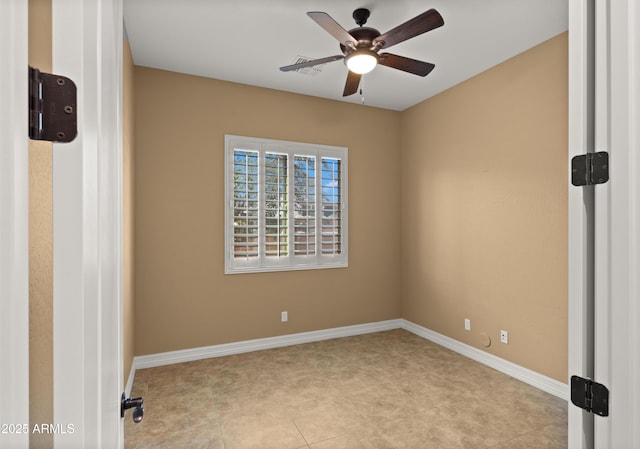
[362,89]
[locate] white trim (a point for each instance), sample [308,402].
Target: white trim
[130,379]
[617,339]
[526,375]
[14,222]
[580,212]
[206,352]
[602,228]
[87,234]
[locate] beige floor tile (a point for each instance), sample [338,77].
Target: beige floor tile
[354,440]
[327,417]
[553,436]
[388,390]
[261,431]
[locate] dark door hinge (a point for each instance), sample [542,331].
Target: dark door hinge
[52,107]
[590,168]
[590,396]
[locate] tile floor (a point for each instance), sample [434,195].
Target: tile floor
[388,390]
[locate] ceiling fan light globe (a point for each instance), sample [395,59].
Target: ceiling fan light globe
[361,61]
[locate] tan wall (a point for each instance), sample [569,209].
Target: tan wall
[40,244]
[183,297]
[484,201]
[128,209]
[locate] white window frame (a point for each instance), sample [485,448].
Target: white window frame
[262,263]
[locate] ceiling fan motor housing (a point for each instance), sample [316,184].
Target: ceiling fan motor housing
[364,36]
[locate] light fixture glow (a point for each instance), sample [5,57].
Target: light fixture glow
[361,61]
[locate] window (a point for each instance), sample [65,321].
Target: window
[286,205]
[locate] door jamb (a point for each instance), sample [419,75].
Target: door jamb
[14,223]
[580,228]
[87,236]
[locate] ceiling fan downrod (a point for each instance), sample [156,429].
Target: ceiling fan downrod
[361,15]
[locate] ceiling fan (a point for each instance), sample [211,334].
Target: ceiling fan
[360,46]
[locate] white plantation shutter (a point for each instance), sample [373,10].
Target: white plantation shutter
[305,205]
[276,223]
[245,203]
[331,206]
[286,205]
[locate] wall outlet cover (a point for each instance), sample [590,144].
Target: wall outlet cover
[504,337]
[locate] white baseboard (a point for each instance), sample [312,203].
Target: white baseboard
[521,373]
[189,355]
[526,375]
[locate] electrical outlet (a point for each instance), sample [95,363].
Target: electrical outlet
[284,316]
[467,324]
[504,337]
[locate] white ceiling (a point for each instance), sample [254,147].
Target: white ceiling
[246,41]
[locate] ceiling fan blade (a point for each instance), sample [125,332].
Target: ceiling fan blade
[409,65]
[353,81]
[332,27]
[302,65]
[426,21]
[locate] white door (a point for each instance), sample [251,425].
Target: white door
[87,236]
[604,288]
[14,227]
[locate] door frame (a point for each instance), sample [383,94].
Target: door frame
[14,223]
[604,109]
[617,222]
[87,228]
[580,213]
